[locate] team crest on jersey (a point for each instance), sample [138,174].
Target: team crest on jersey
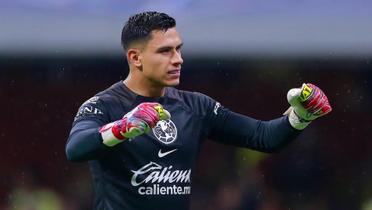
[165,131]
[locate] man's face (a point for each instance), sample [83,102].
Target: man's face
[161,58]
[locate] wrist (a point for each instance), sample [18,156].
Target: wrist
[111,134]
[296,121]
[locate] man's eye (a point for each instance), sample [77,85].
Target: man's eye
[164,51]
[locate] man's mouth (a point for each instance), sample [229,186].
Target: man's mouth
[174,72]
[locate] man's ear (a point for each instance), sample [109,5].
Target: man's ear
[133,56]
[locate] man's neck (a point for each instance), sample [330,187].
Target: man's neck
[143,88]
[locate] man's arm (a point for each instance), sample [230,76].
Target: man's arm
[243,131]
[89,140]
[85,142]
[307,104]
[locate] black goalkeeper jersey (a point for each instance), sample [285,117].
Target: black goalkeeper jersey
[154,171]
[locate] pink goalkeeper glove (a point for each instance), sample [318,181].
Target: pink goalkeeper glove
[134,123]
[307,103]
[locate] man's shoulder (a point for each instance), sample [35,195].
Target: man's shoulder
[195,101]
[186,95]
[103,104]
[115,93]
[112,91]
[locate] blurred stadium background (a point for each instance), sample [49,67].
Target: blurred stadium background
[246,54]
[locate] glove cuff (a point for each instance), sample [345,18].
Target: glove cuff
[111,135]
[296,121]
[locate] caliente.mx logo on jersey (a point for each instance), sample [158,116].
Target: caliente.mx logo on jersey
[165,131]
[155,179]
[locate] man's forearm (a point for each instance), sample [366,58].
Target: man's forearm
[85,142]
[265,136]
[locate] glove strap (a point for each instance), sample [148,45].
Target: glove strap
[295,121]
[111,133]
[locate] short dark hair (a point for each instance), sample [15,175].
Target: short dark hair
[139,26]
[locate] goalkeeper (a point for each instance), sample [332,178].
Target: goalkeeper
[142,136]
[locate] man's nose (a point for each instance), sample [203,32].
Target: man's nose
[177,58]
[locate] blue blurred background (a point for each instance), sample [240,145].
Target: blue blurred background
[246,54]
[288,27]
